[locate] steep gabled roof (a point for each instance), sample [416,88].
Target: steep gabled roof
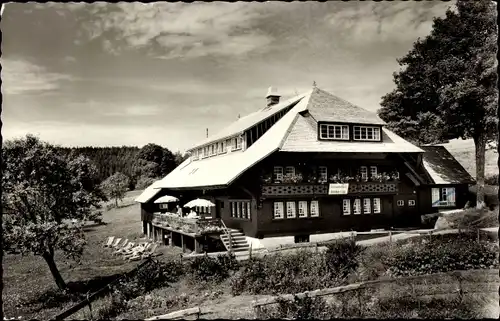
[303,137]
[149,193]
[248,121]
[292,132]
[324,106]
[443,168]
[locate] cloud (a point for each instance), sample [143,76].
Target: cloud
[20,77]
[371,22]
[172,30]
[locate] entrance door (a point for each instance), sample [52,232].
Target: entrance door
[219,205]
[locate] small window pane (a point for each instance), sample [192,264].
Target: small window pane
[357,206]
[290,210]
[346,207]
[278,210]
[314,209]
[302,209]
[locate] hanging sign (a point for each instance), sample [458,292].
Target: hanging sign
[338,189]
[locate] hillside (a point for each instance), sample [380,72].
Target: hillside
[464,152]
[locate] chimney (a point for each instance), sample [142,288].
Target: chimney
[207,132]
[272,96]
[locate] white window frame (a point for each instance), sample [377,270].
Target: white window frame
[222,147]
[367,206]
[331,132]
[356,208]
[205,152]
[278,211]
[363,170]
[360,131]
[373,171]
[229,145]
[324,175]
[213,150]
[439,192]
[290,170]
[377,206]
[237,142]
[278,173]
[314,209]
[163,206]
[400,203]
[346,206]
[302,209]
[291,210]
[249,210]
[411,202]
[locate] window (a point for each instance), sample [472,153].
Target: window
[228,145]
[163,206]
[278,173]
[364,172]
[376,205]
[367,206]
[366,133]
[237,141]
[314,209]
[411,202]
[401,203]
[222,147]
[200,152]
[240,209]
[357,206]
[346,207]
[323,173]
[444,196]
[302,209]
[278,210]
[334,132]
[290,210]
[397,174]
[373,171]
[205,151]
[290,170]
[301,238]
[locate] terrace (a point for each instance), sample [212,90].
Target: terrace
[189,226]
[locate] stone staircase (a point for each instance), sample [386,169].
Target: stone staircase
[238,240]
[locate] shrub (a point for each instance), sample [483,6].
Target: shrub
[301,308]
[474,218]
[491,180]
[443,254]
[342,257]
[208,269]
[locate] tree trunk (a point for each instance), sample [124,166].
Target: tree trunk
[49,258]
[116,202]
[480,143]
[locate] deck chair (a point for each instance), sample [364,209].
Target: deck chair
[116,242]
[134,249]
[138,250]
[123,244]
[109,241]
[124,249]
[148,252]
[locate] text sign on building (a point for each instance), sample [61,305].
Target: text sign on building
[338,189]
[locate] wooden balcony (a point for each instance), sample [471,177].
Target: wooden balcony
[190,226]
[308,189]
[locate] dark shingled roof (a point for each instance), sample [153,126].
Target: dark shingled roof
[443,167]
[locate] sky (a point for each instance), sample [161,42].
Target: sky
[113,74]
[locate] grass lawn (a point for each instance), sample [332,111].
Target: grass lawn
[29,289]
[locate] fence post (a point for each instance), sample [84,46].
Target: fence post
[250,251]
[478,238]
[230,242]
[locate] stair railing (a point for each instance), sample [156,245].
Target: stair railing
[228,233]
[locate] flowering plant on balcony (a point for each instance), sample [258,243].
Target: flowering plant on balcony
[267,178]
[339,178]
[322,180]
[293,178]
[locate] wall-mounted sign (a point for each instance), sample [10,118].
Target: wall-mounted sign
[338,189]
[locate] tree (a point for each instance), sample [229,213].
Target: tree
[447,87]
[162,157]
[116,186]
[46,200]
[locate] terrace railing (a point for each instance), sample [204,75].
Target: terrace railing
[197,226]
[303,189]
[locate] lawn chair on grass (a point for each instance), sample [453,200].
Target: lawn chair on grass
[138,250]
[116,242]
[124,249]
[147,253]
[109,241]
[123,244]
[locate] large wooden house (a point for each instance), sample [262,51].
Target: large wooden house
[301,169]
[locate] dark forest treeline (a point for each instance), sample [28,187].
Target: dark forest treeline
[108,160]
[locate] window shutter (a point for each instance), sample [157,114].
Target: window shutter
[435,196]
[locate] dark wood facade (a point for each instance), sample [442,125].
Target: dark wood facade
[402,202]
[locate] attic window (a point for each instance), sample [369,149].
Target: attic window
[327,131]
[237,142]
[366,133]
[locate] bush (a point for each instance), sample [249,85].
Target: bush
[490,196]
[474,218]
[304,308]
[442,254]
[342,257]
[283,273]
[209,269]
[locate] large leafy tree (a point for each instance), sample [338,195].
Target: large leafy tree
[447,86]
[162,157]
[116,186]
[46,200]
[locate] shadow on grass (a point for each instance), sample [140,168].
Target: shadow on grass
[75,292]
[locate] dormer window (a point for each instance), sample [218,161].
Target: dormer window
[337,132]
[369,133]
[237,142]
[222,147]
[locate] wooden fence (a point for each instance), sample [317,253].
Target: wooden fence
[90,298]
